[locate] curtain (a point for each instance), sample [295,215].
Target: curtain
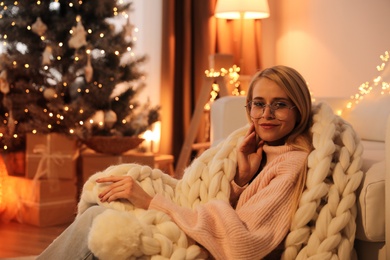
[190,35]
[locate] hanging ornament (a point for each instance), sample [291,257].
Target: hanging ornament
[49,94]
[98,119]
[4,85]
[39,27]
[88,70]
[47,56]
[78,38]
[110,118]
[128,29]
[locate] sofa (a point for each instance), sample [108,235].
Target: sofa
[370,118]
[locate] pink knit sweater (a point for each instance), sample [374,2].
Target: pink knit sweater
[259,222]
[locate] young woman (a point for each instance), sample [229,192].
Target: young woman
[271,170]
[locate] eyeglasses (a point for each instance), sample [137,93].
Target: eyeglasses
[279,109]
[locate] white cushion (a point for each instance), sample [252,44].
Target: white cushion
[371,205]
[369,116]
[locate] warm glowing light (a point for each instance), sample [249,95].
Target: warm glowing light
[367,87]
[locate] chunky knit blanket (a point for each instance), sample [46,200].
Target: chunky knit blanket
[323,227]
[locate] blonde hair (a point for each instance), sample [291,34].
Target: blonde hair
[292,82]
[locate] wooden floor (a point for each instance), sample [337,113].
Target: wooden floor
[18,240]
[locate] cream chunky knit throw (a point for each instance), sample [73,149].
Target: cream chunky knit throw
[323,227]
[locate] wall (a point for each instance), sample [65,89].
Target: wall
[335,44]
[147,17]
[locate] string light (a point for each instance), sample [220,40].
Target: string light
[367,87]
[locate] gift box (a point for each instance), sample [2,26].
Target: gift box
[48,213]
[50,156]
[44,202]
[92,162]
[43,191]
[15,163]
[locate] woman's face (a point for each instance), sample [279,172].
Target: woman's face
[272,126]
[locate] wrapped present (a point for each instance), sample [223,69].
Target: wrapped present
[15,163]
[48,213]
[45,190]
[44,202]
[50,156]
[92,162]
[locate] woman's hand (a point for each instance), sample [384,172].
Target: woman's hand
[124,187]
[249,156]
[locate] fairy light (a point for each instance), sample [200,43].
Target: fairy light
[232,73]
[367,87]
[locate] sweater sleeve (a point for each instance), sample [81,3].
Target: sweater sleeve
[258,224]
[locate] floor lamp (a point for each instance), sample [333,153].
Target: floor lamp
[242,9]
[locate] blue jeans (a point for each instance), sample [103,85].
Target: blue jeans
[72,244]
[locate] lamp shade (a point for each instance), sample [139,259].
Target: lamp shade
[246,9]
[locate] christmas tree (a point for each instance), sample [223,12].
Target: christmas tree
[68,66]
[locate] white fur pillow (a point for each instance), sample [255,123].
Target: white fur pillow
[369,116]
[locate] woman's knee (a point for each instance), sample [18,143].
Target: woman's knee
[89,214]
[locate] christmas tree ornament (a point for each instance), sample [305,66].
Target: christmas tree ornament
[4,85]
[78,38]
[49,94]
[128,29]
[88,70]
[47,55]
[98,119]
[39,27]
[110,118]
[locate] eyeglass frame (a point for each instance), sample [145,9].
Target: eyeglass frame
[271,107]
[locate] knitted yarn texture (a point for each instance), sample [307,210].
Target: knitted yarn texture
[324,224]
[126,232]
